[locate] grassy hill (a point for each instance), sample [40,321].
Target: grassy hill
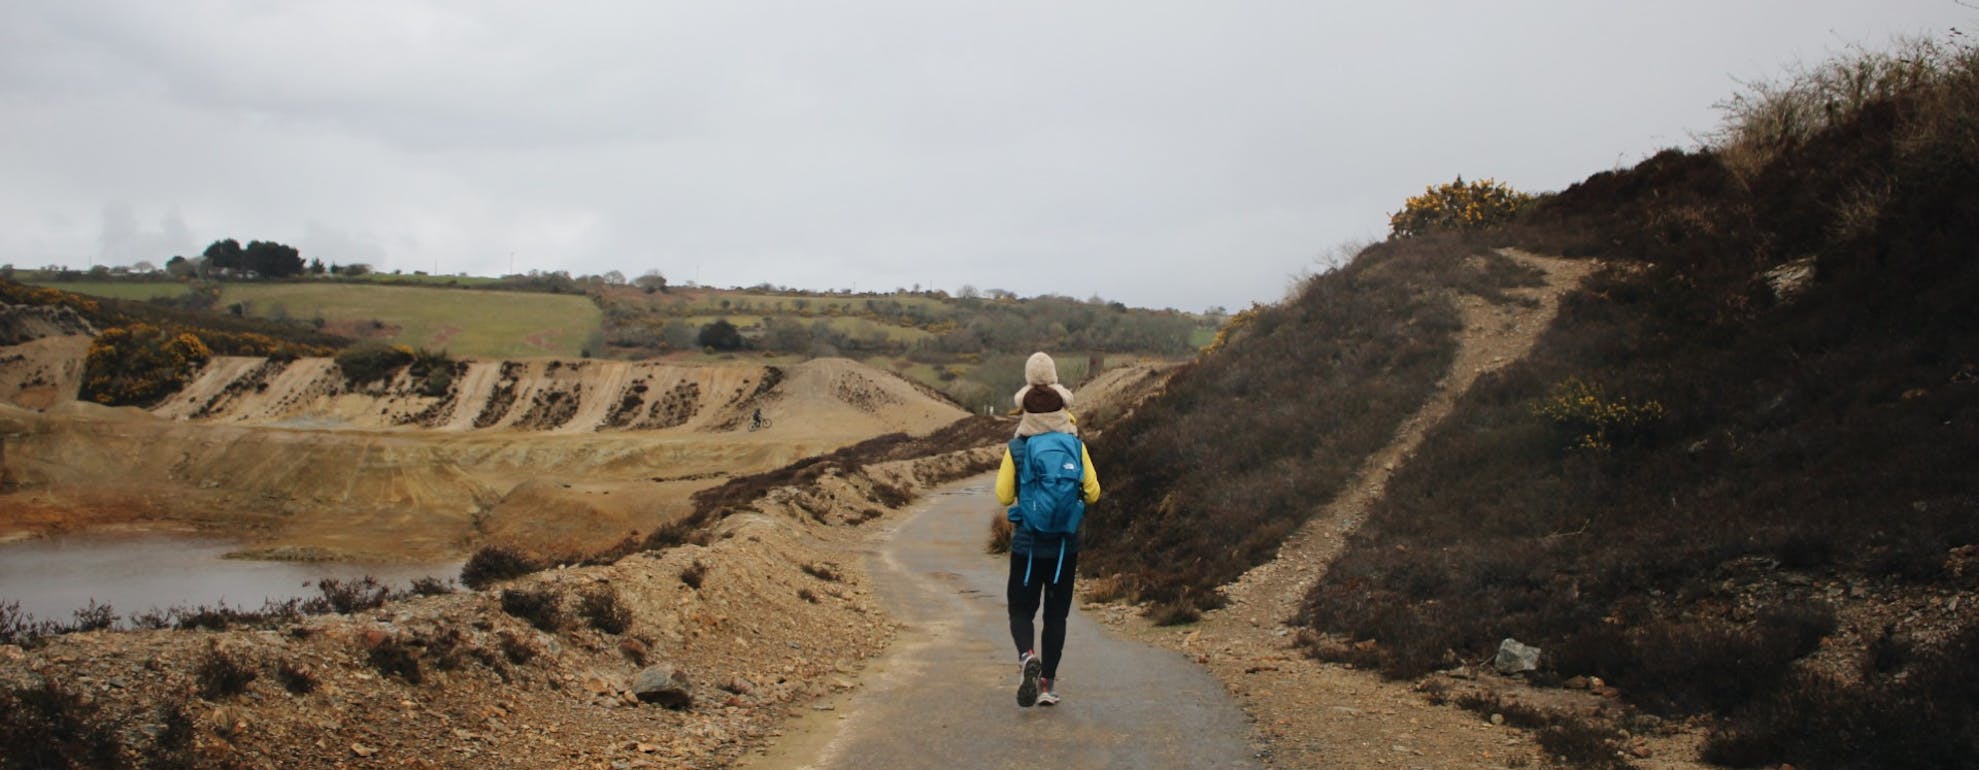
[970,348]
[465,323]
[1785,547]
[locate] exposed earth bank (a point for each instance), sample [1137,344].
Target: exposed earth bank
[561,456]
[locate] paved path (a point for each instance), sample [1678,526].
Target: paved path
[945,694]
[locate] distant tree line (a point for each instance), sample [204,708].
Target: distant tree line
[267,259]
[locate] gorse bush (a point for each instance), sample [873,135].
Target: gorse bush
[371,362]
[1592,419]
[146,352]
[1457,206]
[140,365]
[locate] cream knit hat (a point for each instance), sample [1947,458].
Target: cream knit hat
[1040,372]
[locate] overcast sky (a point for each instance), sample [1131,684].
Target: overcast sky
[1164,154]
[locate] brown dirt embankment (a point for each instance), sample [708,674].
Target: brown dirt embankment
[562,456]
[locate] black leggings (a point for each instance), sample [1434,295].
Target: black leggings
[1057,597]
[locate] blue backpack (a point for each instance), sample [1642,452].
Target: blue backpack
[1050,487]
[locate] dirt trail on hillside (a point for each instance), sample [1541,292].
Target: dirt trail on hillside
[1313,714]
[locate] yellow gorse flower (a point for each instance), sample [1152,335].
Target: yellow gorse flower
[1596,421]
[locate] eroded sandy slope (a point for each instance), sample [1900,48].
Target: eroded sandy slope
[557,455]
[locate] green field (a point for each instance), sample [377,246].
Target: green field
[415,279]
[463,322]
[861,328]
[708,302]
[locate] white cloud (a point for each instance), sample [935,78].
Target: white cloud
[1160,153]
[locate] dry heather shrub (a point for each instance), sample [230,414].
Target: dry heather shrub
[823,570]
[602,609]
[1770,120]
[93,617]
[1000,530]
[393,657]
[518,649]
[222,674]
[540,607]
[1581,745]
[49,725]
[694,574]
[297,678]
[493,564]
[1111,588]
[347,596]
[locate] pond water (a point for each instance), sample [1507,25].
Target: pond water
[54,577]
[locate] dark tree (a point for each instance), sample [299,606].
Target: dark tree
[652,281]
[720,335]
[226,255]
[273,260]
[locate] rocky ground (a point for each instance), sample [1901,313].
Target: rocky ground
[767,616]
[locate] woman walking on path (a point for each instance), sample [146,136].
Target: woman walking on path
[1048,479]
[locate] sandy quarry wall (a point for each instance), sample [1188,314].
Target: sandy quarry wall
[291,457]
[560,396]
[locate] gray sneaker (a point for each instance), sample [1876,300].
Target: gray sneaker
[1047,696]
[1027,693]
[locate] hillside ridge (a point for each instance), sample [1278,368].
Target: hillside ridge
[1310,714]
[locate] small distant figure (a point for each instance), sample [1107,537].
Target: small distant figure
[756,422]
[1049,477]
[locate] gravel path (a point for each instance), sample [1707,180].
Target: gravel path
[944,694]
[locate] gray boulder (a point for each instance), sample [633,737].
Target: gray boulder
[1515,657]
[664,685]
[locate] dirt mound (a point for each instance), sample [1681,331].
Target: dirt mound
[1115,392]
[558,518]
[43,372]
[26,323]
